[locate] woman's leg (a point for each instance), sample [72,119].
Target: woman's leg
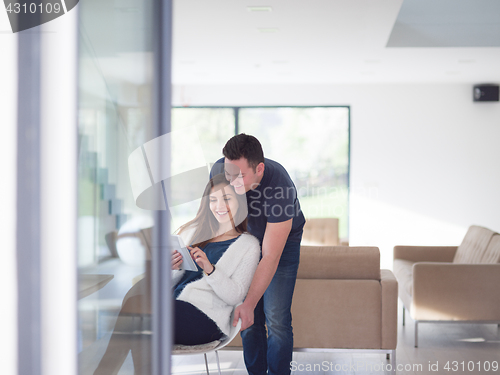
[122,339]
[118,347]
[192,326]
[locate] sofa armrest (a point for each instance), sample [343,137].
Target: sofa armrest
[452,291]
[425,253]
[389,333]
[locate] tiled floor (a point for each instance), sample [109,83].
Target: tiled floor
[439,344]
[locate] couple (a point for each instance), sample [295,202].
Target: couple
[249,211]
[275,219]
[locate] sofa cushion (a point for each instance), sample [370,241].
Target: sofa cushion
[474,245]
[492,253]
[339,262]
[403,270]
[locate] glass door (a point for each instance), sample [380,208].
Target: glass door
[116,69]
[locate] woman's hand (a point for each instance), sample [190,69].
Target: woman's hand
[201,259]
[176,260]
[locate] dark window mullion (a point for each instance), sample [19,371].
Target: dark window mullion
[236,120]
[161,301]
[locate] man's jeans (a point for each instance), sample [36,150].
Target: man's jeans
[273,354]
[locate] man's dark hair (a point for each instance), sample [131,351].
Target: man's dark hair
[244,146]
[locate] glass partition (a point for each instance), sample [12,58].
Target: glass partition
[114,234]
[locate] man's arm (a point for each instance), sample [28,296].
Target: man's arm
[272,246]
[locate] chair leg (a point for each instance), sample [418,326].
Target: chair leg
[393,361]
[218,362]
[416,333]
[206,363]
[403,315]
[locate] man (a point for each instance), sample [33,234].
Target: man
[275,218]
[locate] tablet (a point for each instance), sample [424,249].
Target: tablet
[188,263]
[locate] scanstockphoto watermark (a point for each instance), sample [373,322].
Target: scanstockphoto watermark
[26,14]
[324,201]
[337,191]
[438,367]
[327,366]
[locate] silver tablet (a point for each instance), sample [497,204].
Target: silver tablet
[188,263]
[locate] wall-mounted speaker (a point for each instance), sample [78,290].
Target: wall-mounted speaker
[485,93]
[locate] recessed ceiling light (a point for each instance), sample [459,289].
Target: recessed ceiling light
[281,62]
[259,9]
[370,73]
[372,61]
[268,30]
[453,73]
[473,339]
[187,62]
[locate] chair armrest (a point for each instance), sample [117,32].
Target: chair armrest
[389,286]
[425,253]
[452,291]
[339,262]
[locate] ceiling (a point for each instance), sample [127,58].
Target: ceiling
[336,41]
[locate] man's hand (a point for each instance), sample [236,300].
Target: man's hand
[272,247]
[245,313]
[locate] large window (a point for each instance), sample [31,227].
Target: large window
[312,143]
[208,129]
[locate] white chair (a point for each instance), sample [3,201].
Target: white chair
[213,346]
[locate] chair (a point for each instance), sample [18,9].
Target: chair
[213,346]
[321,232]
[450,284]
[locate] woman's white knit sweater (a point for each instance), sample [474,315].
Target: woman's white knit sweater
[216,295]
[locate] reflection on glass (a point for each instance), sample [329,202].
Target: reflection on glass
[214,127]
[313,146]
[114,235]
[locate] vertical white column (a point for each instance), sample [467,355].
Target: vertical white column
[8,176]
[59,134]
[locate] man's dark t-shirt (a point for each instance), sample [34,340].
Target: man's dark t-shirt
[273,201]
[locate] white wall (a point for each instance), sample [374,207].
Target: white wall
[8,152]
[424,158]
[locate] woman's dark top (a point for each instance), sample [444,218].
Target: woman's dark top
[214,251]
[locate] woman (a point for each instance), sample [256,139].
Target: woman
[227,257]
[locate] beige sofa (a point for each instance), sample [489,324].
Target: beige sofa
[450,283]
[343,300]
